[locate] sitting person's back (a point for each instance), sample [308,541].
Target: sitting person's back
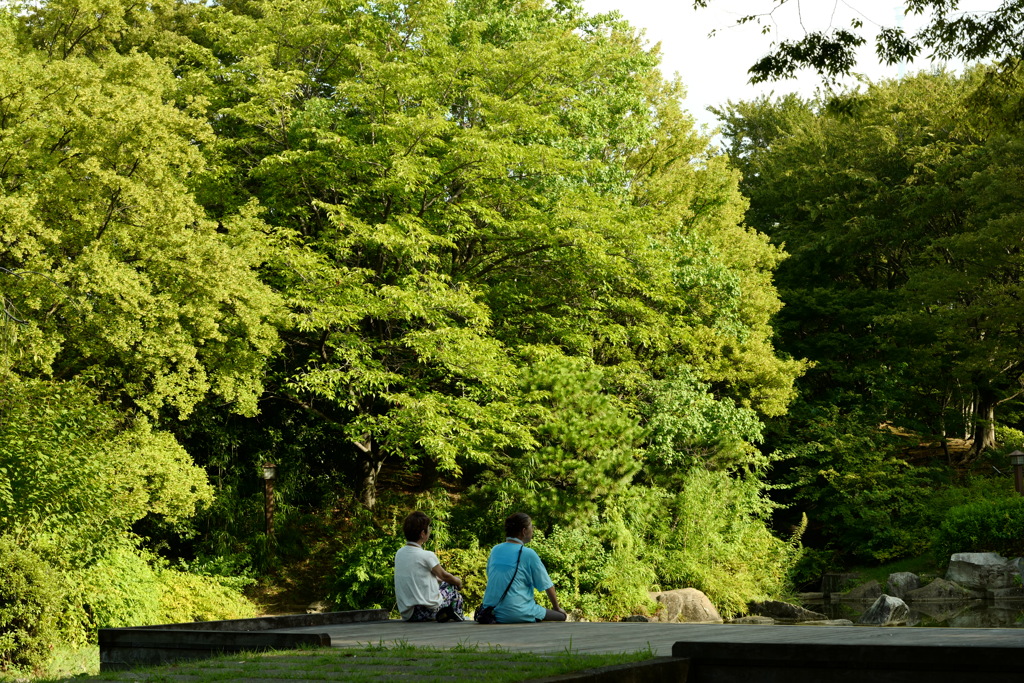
[423,589]
[514,572]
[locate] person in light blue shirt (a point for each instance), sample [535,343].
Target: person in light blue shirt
[519,605]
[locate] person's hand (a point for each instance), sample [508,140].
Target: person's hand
[458,582]
[559,609]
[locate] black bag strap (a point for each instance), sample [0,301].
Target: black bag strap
[518,557]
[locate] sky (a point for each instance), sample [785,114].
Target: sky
[714,70]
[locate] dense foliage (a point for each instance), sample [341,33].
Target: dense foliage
[903,288]
[469,257]
[984,526]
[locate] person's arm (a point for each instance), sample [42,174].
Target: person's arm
[554,600]
[439,572]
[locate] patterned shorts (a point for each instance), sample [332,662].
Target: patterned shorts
[450,597]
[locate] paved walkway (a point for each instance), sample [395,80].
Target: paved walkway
[659,638]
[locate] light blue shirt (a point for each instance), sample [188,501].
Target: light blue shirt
[519,605]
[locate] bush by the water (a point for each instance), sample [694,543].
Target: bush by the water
[29,603]
[983,526]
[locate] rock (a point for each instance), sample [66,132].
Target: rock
[941,590]
[1005,594]
[686,605]
[636,617]
[886,611]
[983,571]
[828,622]
[991,617]
[783,611]
[862,593]
[936,612]
[754,619]
[316,607]
[901,583]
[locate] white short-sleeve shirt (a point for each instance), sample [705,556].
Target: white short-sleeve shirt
[414,584]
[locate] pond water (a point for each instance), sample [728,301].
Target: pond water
[958,614]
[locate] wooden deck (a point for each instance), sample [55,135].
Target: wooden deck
[723,653]
[630,637]
[542,637]
[714,653]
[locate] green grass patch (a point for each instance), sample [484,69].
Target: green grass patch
[923,566]
[65,663]
[375,663]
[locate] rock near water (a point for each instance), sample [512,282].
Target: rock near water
[687,605]
[983,571]
[783,611]
[901,583]
[886,611]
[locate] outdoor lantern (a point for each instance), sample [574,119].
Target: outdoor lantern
[269,469]
[1017,460]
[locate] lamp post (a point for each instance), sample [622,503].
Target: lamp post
[269,469]
[1017,460]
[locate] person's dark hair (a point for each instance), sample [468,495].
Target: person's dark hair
[515,523]
[414,526]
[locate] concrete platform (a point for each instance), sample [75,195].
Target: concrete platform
[725,653]
[714,653]
[125,648]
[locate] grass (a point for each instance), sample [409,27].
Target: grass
[464,662]
[923,566]
[66,663]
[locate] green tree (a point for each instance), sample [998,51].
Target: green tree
[470,183]
[904,256]
[110,270]
[76,478]
[878,187]
[949,33]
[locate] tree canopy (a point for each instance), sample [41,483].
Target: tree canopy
[949,32]
[471,250]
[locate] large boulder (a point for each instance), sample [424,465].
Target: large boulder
[687,605]
[983,571]
[901,583]
[941,590]
[783,611]
[886,611]
[865,592]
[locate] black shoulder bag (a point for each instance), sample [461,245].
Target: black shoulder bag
[485,615]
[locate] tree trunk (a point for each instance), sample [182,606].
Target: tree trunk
[372,464]
[368,495]
[984,421]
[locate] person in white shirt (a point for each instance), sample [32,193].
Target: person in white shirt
[423,589]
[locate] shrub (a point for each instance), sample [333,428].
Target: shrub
[129,587]
[471,564]
[601,581]
[719,543]
[188,597]
[29,602]
[364,574]
[983,526]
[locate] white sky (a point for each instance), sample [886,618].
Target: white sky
[714,70]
